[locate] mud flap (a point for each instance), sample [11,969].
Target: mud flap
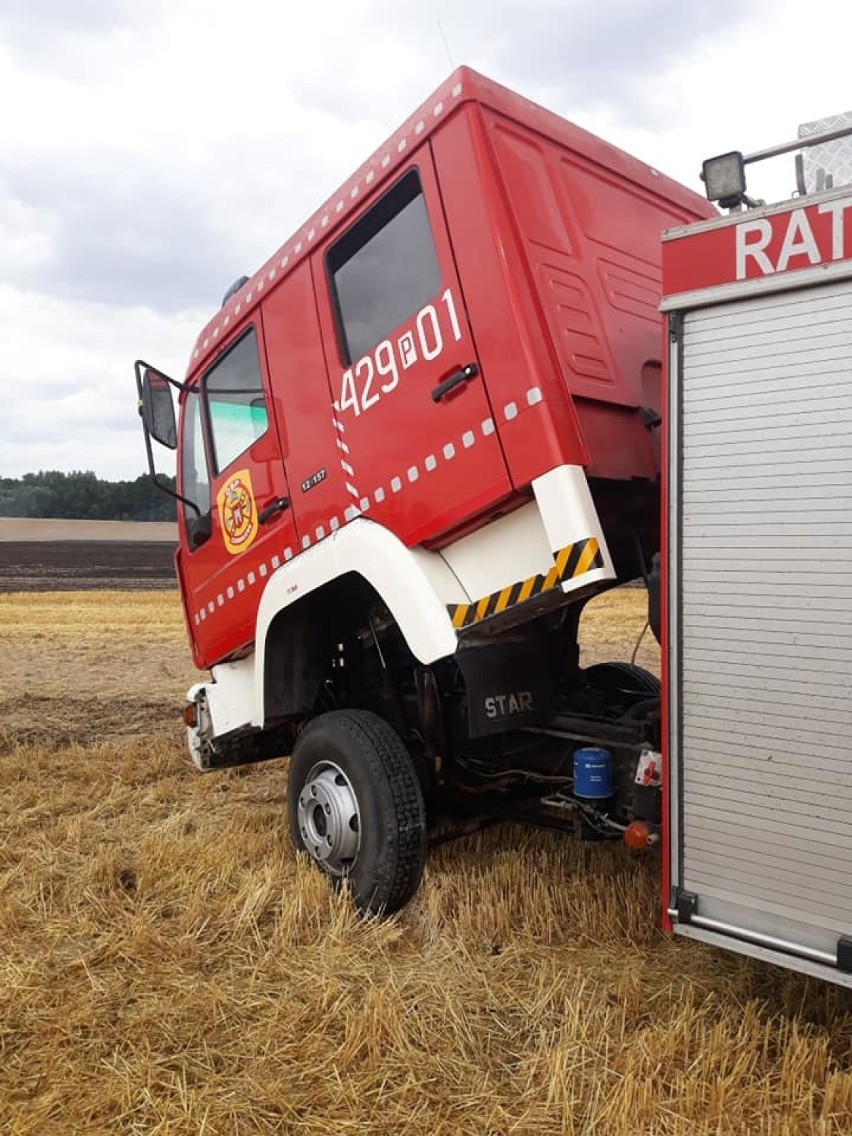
[509,684]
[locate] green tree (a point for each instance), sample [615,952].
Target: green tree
[82,495]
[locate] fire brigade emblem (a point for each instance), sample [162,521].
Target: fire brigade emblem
[237,512]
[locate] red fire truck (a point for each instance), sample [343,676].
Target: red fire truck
[413,445]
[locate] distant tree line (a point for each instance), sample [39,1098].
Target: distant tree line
[83,496]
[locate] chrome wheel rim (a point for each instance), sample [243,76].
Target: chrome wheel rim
[329,818]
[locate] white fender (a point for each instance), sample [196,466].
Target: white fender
[415,584]
[565,502]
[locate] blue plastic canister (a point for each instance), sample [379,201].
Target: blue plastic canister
[592,773]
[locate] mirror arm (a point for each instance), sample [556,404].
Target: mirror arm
[140,366]
[155,477]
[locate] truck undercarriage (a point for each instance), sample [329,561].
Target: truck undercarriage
[511,728]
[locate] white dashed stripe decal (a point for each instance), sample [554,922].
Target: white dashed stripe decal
[346,466]
[346,199]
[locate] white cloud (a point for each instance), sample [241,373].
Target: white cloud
[70,400]
[27,235]
[149,154]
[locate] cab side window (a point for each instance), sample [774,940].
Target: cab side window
[195,478]
[383,269]
[236,404]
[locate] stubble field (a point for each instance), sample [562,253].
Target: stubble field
[168,966]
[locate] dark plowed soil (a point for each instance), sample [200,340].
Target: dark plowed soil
[40,566]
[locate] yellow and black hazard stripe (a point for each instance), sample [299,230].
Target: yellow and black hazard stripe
[568,563]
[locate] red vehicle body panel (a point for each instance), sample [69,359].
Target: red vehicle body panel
[211,576]
[294,349]
[665,692]
[742,247]
[395,446]
[547,241]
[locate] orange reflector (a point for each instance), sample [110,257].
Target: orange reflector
[190,716]
[638,836]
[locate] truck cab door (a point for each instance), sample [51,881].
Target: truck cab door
[417,438]
[232,465]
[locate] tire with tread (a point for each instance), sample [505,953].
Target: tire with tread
[622,676]
[387,867]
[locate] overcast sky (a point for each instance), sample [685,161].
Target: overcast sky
[151,152]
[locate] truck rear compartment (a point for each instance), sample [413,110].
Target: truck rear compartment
[760,627]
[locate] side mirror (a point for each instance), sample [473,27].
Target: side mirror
[157,409]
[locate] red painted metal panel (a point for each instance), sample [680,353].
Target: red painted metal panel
[223,577]
[665,505]
[751,246]
[418,466]
[590,239]
[302,398]
[538,427]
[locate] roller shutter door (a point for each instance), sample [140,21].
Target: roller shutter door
[765,618]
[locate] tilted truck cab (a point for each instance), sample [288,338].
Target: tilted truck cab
[410,448]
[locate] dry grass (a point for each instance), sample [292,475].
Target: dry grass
[167,966]
[612,626]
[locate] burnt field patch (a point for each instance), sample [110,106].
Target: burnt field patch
[81,565]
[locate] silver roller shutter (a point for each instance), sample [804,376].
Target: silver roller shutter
[763,634]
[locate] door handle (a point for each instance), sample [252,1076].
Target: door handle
[462,375]
[272,509]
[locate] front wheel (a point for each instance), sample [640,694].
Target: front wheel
[356,807]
